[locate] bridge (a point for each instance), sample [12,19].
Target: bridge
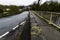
[31,25]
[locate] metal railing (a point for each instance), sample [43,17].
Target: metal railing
[51,17]
[15,33]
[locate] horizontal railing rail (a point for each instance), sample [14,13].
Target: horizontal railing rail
[50,12]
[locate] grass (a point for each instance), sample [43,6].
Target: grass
[35,30]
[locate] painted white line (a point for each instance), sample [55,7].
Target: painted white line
[8,32]
[4,34]
[22,22]
[15,27]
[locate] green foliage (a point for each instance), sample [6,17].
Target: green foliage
[9,10]
[44,7]
[34,7]
[52,6]
[13,8]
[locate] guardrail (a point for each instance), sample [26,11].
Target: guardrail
[51,17]
[15,33]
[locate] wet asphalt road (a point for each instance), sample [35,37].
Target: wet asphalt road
[6,24]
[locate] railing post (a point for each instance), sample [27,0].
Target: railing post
[50,18]
[57,21]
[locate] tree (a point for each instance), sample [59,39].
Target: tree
[44,7]
[1,12]
[13,8]
[38,5]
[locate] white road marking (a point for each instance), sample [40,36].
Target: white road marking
[4,34]
[22,22]
[15,27]
[18,25]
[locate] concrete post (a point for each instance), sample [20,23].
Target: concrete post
[50,18]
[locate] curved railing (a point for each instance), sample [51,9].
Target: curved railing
[51,17]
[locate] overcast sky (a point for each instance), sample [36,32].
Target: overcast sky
[18,2]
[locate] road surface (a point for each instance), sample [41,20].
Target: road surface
[6,24]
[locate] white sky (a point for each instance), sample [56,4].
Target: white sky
[18,2]
[43,1]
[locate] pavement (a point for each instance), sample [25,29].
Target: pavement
[41,30]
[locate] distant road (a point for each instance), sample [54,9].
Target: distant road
[6,24]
